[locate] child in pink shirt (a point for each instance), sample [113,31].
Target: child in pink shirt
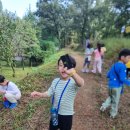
[97,65]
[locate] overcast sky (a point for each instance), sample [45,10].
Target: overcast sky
[20,6]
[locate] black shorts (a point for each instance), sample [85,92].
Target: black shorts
[64,123]
[86,61]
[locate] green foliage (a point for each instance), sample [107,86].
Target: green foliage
[54,20]
[114,45]
[1,6]
[99,19]
[123,17]
[48,47]
[18,37]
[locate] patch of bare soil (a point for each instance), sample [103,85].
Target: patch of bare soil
[89,99]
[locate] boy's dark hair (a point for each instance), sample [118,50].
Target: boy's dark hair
[68,61]
[99,46]
[124,52]
[2,78]
[89,45]
[102,45]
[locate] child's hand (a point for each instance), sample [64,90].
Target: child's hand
[36,94]
[70,72]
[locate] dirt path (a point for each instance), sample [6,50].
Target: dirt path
[89,99]
[85,103]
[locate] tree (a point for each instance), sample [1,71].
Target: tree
[7,25]
[17,36]
[82,18]
[1,6]
[24,39]
[122,10]
[53,19]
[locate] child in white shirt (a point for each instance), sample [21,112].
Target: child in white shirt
[88,53]
[10,93]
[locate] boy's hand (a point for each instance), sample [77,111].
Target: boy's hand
[36,94]
[70,72]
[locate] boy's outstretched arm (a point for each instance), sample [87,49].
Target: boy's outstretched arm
[36,94]
[78,80]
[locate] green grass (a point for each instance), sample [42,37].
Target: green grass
[114,45]
[21,74]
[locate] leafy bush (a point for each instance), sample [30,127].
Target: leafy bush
[48,47]
[114,45]
[73,46]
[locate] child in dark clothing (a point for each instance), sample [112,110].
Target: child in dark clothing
[117,77]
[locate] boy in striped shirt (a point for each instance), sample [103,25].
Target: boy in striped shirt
[69,79]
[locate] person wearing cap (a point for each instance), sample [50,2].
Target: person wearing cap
[69,81]
[10,92]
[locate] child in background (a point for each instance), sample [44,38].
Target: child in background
[117,77]
[97,59]
[70,80]
[87,41]
[10,93]
[88,53]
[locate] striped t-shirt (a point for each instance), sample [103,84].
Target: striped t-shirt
[67,101]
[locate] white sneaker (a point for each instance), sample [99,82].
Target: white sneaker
[93,71]
[113,117]
[87,71]
[102,108]
[83,70]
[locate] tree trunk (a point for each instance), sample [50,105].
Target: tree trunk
[83,31]
[12,66]
[22,63]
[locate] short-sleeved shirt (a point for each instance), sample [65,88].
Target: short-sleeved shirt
[88,53]
[11,88]
[67,101]
[97,54]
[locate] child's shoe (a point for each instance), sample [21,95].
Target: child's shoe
[87,70]
[83,70]
[102,108]
[113,116]
[13,105]
[93,71]
[6,104]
